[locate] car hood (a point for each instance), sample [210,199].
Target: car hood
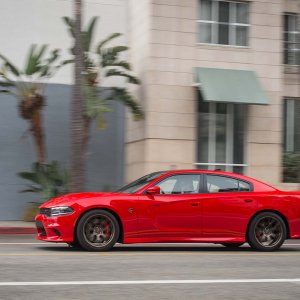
[70,199]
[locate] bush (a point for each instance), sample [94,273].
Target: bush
[47,180]
[291,167]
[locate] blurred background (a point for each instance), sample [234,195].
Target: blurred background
[219,86]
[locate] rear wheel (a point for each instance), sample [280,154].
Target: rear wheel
[267,232]
[97,230]
[232,245]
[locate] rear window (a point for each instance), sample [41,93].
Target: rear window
[223,184]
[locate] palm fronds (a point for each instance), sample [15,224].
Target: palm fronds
[48,180]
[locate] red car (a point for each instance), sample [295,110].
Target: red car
[191,206]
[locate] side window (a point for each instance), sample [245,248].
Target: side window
[180,184]
[244,186]
[221,184]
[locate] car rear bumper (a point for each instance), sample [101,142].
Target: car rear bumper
[55,229]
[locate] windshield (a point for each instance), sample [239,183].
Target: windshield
[139,183]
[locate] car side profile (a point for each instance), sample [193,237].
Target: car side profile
[184,206]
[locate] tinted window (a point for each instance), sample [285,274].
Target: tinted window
[180,184]
[139,183]
[244,186]
[221,184]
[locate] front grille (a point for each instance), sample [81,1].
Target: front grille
[40,228]
[45,211]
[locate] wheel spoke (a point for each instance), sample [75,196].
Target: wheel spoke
[99,230]
[268,231]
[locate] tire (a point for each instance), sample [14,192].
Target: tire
[97,230]
[232,245]
[267,232]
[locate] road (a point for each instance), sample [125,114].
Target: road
[30,269]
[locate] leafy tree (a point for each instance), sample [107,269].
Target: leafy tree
[28,85]
[100,64]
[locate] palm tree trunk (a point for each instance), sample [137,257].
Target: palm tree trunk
[77,118]
[86,137]
[38,136]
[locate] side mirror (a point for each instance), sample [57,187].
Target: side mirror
[153,190]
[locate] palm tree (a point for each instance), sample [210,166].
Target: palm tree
[100,64]
[28,87]
[77,117]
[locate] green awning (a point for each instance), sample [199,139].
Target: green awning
[226,85]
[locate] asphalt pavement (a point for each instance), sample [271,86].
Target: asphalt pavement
[30,269]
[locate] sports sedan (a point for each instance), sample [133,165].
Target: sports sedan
[189,206]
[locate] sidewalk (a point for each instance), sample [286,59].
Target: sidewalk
[17,227]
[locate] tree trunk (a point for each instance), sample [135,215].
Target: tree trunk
[77,109]
[38,136]
[86,137]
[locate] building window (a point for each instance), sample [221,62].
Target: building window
[221,136]
[291,142]
[223,22]
[291,39]
[292,125]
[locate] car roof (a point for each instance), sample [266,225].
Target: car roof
[214,172]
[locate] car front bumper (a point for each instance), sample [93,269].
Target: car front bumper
[55,229]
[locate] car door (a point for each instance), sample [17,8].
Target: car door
[227,205]
[174,214]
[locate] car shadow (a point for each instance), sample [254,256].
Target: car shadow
[168,248]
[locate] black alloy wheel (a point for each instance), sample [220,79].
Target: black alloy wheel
[97,230]
[267,232]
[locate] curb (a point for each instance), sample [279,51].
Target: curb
[18,230]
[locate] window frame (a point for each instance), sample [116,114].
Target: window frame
[231,24]
[287,32]
[205,189]
[200,189]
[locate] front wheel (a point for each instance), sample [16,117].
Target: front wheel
[267,232]
[97,230]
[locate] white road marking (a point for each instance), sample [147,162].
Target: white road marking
[140,282]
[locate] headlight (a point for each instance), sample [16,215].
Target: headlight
[61,211]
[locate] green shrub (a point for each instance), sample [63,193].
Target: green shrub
[47,180]
[291,167]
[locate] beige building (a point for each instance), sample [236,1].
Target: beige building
[204,109]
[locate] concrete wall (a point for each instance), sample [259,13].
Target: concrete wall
[40,22]
[139,22]
[105,156]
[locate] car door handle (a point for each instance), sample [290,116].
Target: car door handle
[195,204]
[248,200]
